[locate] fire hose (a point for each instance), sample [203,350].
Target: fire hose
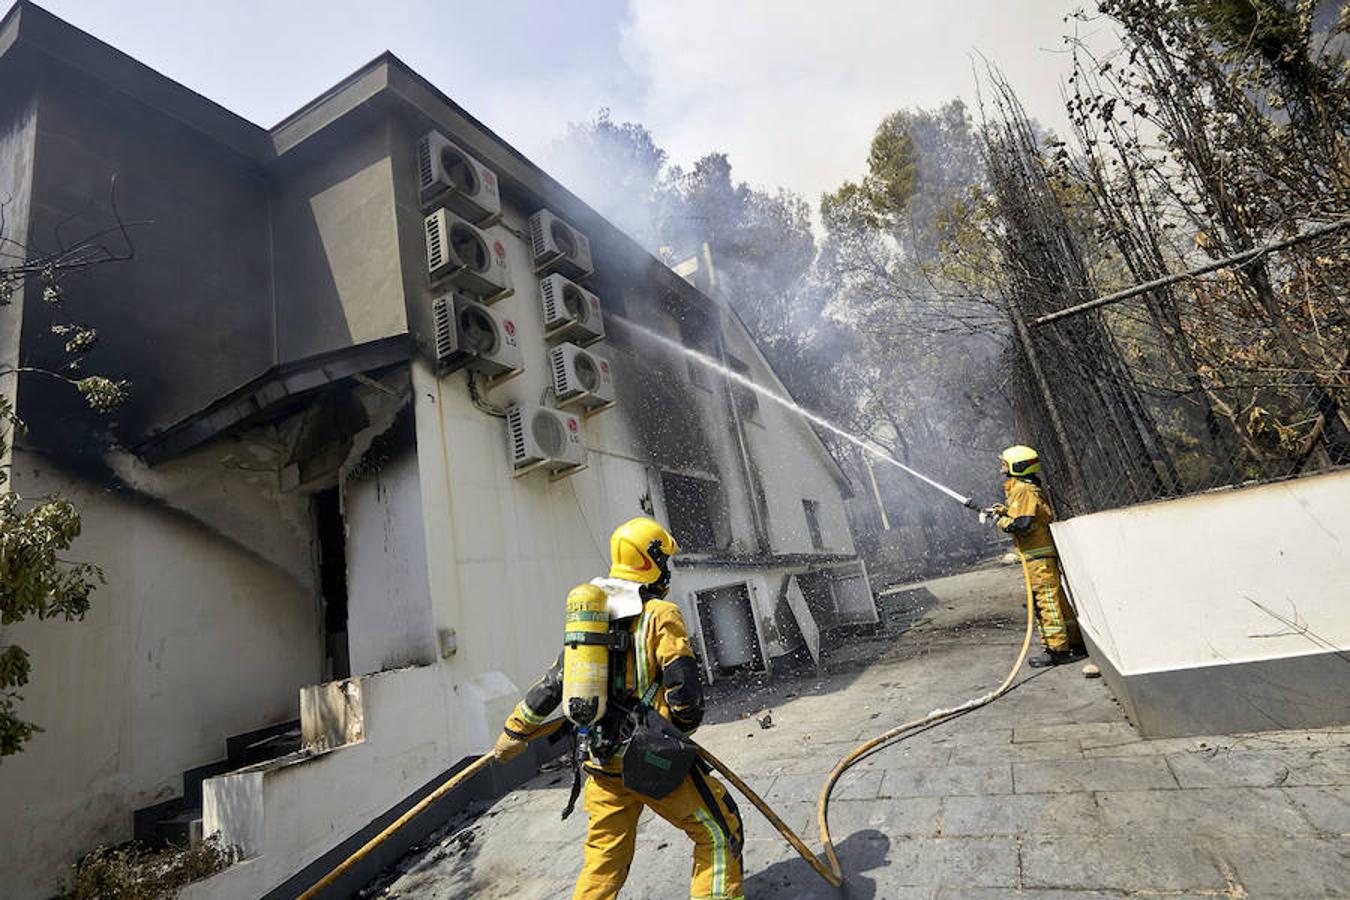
[831,870]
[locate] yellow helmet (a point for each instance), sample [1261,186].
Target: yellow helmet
[1021,460]
[639,551]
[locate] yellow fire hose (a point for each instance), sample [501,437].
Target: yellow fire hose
[449,785]
[833,872]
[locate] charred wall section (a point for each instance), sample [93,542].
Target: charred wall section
[197,296]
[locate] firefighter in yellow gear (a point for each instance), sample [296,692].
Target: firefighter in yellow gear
[1027,516]
[658,667]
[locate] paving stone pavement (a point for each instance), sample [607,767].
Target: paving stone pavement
[1047,793]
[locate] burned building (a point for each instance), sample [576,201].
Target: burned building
[391,386]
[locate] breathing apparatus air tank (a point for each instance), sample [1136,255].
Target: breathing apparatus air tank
[586,655]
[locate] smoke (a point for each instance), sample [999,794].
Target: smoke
[922,397]
[819,421]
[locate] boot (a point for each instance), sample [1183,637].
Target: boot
[1057,657]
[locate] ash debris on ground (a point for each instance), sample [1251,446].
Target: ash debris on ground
[1049,792]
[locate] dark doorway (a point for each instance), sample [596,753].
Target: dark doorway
[729,635]
[332,532]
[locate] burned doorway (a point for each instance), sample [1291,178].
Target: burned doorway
[730,638]
[332,552]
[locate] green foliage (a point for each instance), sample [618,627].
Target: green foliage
[35,583]
[921,169]
[36,580]
[926,369]
[102,394]
[893,164]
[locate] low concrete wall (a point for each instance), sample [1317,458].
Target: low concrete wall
[1220,612]
[286,813]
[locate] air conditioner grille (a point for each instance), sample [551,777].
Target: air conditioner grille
[516,425]
[424,163]
[548,434]
[469,248]
[559,372]
[444,328]
[550,297]
[479,330]
[459,171]
[538,244]
[435,250]
[563,239]
[574,302]
[587,372]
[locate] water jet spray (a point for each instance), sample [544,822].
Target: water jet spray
[791,405]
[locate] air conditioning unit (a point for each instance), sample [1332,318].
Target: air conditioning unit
[541,437]
[558,247]
[571,312]
[447,176]
[469,334]
[581,378]
[460,254]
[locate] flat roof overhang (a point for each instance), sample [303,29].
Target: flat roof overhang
[273,394]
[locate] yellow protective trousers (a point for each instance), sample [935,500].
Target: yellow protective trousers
[1054,615]
[612,835]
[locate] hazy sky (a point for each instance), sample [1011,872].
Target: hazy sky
[791,90]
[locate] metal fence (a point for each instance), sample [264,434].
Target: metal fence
[1238,371]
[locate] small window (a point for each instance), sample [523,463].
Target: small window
[697,512]
[812,510]
[696,333]
[747,401]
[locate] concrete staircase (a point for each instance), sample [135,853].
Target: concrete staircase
[179,820]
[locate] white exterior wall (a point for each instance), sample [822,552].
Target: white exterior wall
[192,640]
[389,623]
[792,463]
[1174,584]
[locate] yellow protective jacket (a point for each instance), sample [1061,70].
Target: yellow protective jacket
[1028,518]
[659,653]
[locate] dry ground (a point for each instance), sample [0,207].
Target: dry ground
[1047,793]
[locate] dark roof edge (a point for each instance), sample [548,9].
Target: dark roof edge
[272,391]
[29,25]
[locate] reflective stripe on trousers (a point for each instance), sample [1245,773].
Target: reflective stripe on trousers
[1054,615]
[612,834]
